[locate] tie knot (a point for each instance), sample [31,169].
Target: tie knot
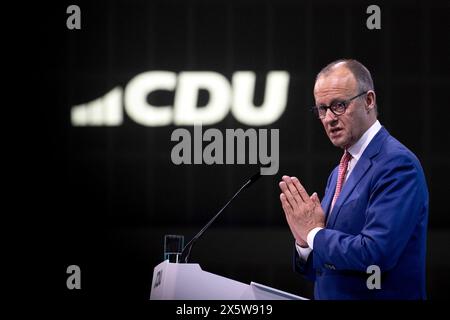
[346,157]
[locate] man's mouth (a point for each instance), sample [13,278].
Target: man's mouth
[335,131]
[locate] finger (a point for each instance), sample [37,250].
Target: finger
[288,194]
[315,198]
[288,214]
[292,189]
[303,194]
[285,204]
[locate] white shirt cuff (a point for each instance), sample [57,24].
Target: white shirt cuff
[311,235]
[303,252]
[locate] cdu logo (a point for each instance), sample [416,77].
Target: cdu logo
[223,97]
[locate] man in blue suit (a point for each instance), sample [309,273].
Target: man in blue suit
[367,239]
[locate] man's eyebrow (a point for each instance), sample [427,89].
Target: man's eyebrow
[335,100]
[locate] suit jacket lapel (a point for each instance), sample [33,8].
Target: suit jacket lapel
[358,172]
[364,163]
[328,197]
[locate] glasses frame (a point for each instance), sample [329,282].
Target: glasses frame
[334,105]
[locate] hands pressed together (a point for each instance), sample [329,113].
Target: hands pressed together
[303,212]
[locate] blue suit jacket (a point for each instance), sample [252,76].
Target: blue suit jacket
[380,218]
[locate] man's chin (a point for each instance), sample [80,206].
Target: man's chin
[338,143]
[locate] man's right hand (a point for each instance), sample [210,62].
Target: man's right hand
[298,240]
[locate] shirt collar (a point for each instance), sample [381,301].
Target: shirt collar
[358,148]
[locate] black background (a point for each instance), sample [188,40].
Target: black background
[110,194]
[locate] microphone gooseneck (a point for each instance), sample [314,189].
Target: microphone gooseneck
[187,249]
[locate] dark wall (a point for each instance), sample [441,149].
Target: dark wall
[114,190]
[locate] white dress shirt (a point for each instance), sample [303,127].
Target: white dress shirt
[356,150]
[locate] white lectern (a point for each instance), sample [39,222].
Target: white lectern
[187,281]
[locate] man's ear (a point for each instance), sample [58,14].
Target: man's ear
[370,100]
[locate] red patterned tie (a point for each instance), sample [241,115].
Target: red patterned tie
[343,165]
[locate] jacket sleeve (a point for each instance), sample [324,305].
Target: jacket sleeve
[398,195]
[304,267]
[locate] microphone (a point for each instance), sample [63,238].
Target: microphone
[187,249]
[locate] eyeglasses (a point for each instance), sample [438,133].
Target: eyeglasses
[337,107]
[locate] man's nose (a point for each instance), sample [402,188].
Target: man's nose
[329,116]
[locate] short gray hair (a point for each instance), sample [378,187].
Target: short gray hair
[360,72]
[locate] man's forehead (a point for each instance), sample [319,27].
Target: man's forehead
[339,79]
